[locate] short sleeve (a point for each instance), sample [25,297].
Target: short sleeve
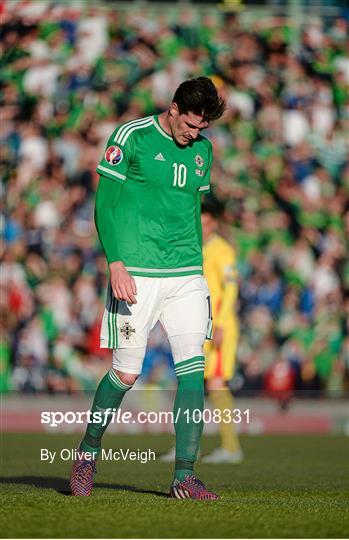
[117,157]
[205,183]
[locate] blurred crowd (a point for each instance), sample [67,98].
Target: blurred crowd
[69,73]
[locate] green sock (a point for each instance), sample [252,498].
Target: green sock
[109,395]
[188,403]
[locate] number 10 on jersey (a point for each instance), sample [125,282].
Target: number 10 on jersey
[179,175]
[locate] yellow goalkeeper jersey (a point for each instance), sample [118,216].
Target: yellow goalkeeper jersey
[221,273]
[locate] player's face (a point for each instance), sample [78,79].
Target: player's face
[209,225]
[185,128]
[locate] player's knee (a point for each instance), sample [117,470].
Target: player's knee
[127,364]
[126,378]
[187,346]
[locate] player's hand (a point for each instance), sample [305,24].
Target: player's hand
[217,338]
[122,283]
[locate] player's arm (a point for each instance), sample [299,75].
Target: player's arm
[113,170]
[107,200]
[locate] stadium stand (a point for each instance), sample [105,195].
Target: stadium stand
[70,73]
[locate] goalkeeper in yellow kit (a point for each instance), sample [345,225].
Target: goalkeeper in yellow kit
[221,274]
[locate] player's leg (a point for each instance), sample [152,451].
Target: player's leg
[189,401]
[219,369]
[127,365]
[125,329]
[222,400]
[126,368]
[185,319]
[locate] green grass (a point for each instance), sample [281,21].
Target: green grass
[287,487]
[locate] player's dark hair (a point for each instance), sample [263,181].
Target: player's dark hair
[200,97]
[212,209]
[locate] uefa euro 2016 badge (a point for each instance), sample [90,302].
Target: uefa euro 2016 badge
[113,155]
[198,160]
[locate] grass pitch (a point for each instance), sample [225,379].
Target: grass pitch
[287,487]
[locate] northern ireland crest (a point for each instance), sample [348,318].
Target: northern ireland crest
[198,160]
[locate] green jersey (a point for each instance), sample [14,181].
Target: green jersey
[156,216]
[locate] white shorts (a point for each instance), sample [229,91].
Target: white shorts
[181,304]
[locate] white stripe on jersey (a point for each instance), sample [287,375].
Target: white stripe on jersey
[123,129]
[113,173]
[128,133]
[163,270]
[204,187]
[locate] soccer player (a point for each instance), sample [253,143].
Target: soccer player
[221,274]
[147,214]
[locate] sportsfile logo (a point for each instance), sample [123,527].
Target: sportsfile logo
[103,417]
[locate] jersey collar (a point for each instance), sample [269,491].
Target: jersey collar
[159,128]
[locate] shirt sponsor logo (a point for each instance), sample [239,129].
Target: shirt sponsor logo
[160,157]
[113,155]
[198,160]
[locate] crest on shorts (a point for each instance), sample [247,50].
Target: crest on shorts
[113,155]
[198,160]
[127,330]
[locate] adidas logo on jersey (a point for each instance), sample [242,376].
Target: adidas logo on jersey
[160,157]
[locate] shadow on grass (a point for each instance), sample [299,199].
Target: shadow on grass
[61,485]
